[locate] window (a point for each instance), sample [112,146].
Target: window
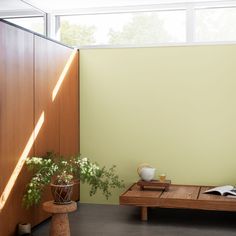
[137,28]
[134,23]
[169,22]
[216,24]
[35,24]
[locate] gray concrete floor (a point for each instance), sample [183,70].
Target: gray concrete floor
[111,220]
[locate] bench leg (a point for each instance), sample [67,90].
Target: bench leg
[144,213]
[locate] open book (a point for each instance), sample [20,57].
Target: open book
[223,190]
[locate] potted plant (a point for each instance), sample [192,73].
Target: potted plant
[62,173]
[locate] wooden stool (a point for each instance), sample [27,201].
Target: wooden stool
[60,223]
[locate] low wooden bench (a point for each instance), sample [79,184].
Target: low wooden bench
[178,196]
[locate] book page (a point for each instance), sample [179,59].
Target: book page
[220,189]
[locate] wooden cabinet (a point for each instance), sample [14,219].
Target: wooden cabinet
[47,72]
[69,116]
[69,106]
[16,122]
[56,96]
[38,113]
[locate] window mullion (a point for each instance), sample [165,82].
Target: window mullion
[50,25]
[190,23]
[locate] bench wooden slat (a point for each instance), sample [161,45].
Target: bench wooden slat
[135,187]
[178,196]
[181,192]
[213,197]
[150,194]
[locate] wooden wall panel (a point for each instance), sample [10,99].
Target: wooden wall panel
[16,120]
[69,106]
[69,115]
[56,94]
[56,80]
[37,76]
[47,71]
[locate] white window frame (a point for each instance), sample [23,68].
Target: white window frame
[52,20]
[29,16]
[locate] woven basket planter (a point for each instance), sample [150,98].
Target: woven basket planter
[62,193]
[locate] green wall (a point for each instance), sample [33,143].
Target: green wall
[172,107]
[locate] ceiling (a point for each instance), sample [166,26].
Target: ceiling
[8,5]
[59,5]
[55,6]
[11,8]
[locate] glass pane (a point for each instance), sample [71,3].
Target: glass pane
[216,24]
[35,24]
[123,28]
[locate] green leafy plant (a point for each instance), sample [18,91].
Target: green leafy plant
[59,170]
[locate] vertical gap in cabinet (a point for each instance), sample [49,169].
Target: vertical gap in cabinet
[34,212]
[59,113]
[78,100]
[34,91]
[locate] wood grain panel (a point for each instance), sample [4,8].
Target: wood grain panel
[214,197]
[69,109]
[199,204]
[135,196]
[30,69]
[134,187]
[135,191]
[181,192]
[55,69]
[56,94]
[48,67]
[145,193]
[47,71]
[179,196]
[69,112]
[16,120]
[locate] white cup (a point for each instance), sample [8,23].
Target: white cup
[147,173]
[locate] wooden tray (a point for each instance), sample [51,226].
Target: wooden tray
[154,184]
